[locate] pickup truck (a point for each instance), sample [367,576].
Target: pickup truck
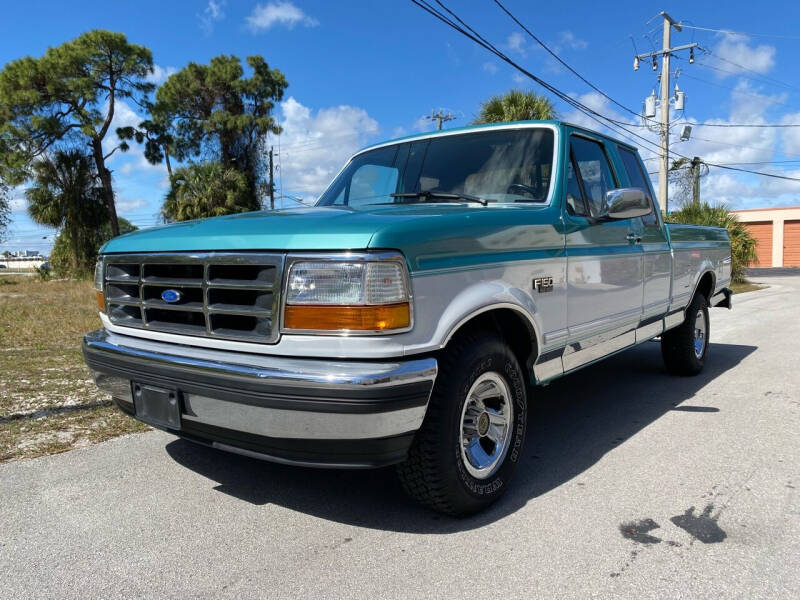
[407,317]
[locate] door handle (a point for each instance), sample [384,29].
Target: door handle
[633,238]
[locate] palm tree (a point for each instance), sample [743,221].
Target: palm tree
[516,105]
[66,194]
[207,190]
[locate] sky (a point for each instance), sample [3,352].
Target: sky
[365,71]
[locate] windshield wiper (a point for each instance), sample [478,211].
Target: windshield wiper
[429,195]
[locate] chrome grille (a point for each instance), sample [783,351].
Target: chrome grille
[220,295]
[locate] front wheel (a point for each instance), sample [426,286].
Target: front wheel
[465,453]
[685,347]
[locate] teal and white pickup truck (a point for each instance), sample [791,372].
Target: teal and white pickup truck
[407,317]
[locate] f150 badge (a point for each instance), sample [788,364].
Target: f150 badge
[543,284]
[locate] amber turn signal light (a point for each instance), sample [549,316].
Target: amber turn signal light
[316,317]
[101,302]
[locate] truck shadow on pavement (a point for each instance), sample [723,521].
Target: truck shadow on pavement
[572,424]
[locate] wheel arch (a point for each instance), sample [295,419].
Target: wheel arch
[511,322]
[705,286]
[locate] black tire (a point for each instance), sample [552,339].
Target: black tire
[678,344]
[435,473]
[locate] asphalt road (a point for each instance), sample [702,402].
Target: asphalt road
[635,485]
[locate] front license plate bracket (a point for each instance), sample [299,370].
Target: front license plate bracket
[156,406]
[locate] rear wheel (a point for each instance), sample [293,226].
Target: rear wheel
[465,453]
[685,347]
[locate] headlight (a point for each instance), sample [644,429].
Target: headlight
[98,284]
[348,295]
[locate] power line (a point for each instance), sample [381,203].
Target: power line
[730,32]
[762,173]
[755,79]
[560,60]
[480,40]
[766,162]
[772,79]
[729,144]
[730,168]
[761,97]
[762,125]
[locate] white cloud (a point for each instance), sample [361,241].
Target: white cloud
[515,42]
[736,144]
[18,204]
[489,67]
[739,56]
[128,205]
[315,145]
[160,74]
[520,79]
[212,14]
[569,40]
[423,124]
[287,14]
[791,135]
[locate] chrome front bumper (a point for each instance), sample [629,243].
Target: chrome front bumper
[299,411]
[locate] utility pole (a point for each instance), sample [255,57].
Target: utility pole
[696,162]
[440,118]
[665,54]
[271,182]
[663,166]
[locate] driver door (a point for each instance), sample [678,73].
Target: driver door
[604,259]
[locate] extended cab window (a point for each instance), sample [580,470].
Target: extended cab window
[575,202]
[596,176]
[636,177]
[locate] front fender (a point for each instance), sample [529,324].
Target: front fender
[480,298]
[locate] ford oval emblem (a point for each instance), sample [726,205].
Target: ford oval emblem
[171,296]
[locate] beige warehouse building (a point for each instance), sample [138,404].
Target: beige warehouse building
[777,234]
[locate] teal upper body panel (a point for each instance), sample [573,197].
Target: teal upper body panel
[331,228]
[429,235]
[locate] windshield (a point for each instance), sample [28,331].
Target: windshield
[511,165]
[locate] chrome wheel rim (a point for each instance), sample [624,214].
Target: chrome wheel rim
[486,422]
[700,334]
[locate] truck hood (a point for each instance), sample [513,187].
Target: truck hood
[425,233]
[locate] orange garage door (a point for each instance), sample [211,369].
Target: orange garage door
[791,244]
[762,232]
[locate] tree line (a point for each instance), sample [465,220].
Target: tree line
[56,118]
[208,120]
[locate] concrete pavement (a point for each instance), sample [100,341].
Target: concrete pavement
[635,485]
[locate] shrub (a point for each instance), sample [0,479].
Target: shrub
[743,245]
[61,257]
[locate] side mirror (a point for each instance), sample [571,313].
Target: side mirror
[627,203]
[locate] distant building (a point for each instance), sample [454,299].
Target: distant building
[777,235]
[22,261]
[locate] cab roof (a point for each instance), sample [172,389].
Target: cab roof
[486,126]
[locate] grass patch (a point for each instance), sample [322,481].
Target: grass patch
[740,288]
[48,401]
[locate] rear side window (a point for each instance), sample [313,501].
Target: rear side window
[636,177]
[575,203]
[595,173]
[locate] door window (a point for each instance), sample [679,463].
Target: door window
[371,184]
[636,178]
[595,173]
